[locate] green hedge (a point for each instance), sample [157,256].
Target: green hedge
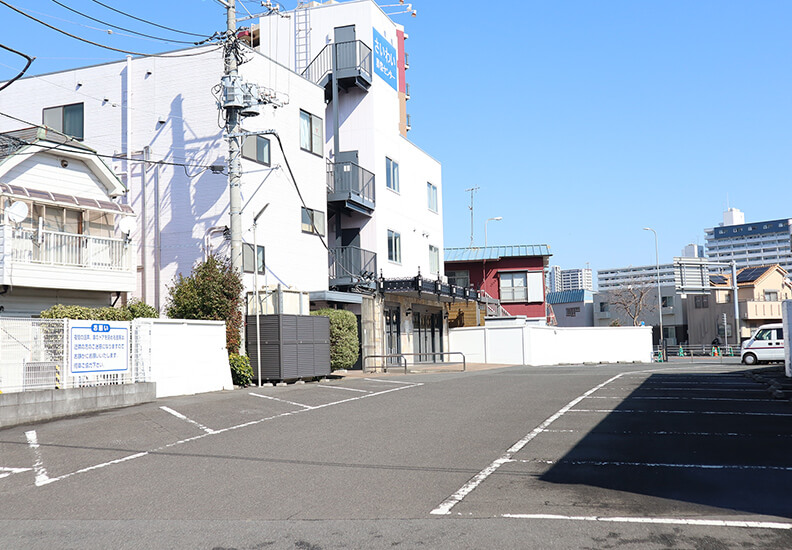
[344,346]
[133,310]
[241,371]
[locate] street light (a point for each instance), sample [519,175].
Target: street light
[495,219]
[659,300]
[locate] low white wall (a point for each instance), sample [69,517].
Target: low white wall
[535,345]
[786,310]
[184,357]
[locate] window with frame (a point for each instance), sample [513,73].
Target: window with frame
[431,196]
[667,301]
[392,174]
[394,246]
[434,259]
[604,307]
[251,260]
[459,278]
[313,221]
[311,133]
[701,301]
[770,295]
[66,119]
[572,311]
[257,149]
[521,286]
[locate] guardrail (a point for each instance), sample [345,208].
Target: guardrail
[697,350]
[403,358]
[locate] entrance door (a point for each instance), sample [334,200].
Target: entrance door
[428,336]
[392,333]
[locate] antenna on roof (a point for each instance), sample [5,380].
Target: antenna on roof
[472,191]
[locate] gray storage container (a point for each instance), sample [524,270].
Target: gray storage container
[292,346]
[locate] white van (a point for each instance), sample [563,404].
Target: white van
[766,345]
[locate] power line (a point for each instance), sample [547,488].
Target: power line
[118,27]
[6,4]
[23,71]
[147,21]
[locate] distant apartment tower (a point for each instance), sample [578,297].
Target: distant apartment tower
[641,275]
[750,244]
[554,279]
[577,279]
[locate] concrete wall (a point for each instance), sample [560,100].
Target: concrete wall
[36,406]
[536,345]
[185,357]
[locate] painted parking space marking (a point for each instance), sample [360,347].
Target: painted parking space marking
[671,398]
[675,465]
[445,507]
[5,472]
[254,394]
[190,420]
[342,388]
[658,521]
[42,478]
[388,381]
[657,411]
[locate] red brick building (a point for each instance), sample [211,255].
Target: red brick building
[514,275]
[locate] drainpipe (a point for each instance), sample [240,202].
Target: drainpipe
[143,224]
[157,239]
[209,232]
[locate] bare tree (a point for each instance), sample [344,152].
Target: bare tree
[633,300]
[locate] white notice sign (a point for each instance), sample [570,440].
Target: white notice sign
[98,346]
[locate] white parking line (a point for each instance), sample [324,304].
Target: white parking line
[661,521]
[5,472]
[342,388]
[674,465]
[735,413]
[190,420]
[308,407]
[38,466]
[445,507]
[670,398]
[389,381]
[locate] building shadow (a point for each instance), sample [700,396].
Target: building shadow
[710,439]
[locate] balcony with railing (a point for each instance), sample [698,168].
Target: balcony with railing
[353,66]
[352,266]
[351,187]
[52,259]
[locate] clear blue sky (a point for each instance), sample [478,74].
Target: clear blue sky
[581,122]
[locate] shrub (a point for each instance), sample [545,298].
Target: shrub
[133,310]
[344,346]
[213,292]
[241,371]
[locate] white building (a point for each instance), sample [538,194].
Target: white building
[635,275]
[553,279]
[157,118]
[58,238]
[577,279]
[750,244]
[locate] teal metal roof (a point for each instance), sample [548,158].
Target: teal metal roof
[569,296]
[478,253]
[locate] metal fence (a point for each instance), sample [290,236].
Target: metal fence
[67,249]
[34,355]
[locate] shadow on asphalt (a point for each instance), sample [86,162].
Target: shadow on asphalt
[713,439]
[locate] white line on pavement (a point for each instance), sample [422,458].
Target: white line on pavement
[5,472]
[736,413]
[190,420]
[662,521]
[280,400]
[390,381]
[445,507]
[38,466]
[342,388]
[673,465]
[670,398]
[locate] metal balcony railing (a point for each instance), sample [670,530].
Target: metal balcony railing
[68,250]
[352,262]
[350,180]
[355,56]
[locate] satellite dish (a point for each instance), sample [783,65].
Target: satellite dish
[127,224]
[17,212]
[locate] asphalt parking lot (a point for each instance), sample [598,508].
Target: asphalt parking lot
[678,455]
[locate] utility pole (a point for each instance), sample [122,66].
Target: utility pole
[472,191]
[233,134]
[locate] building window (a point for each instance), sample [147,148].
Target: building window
[431,193]
[392,174]
[311,133]
[521,287]
[66,119]
[394,246]
[701,301]
[248,261]
[459,278]
[313,221]
[572,311]
[434,259]
[771,295]
[604,307]
[257,149]
[667,301]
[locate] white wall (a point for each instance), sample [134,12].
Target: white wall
[533,345]
[186,356]
[787,314]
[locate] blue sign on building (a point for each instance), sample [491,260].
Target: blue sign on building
[386,61]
